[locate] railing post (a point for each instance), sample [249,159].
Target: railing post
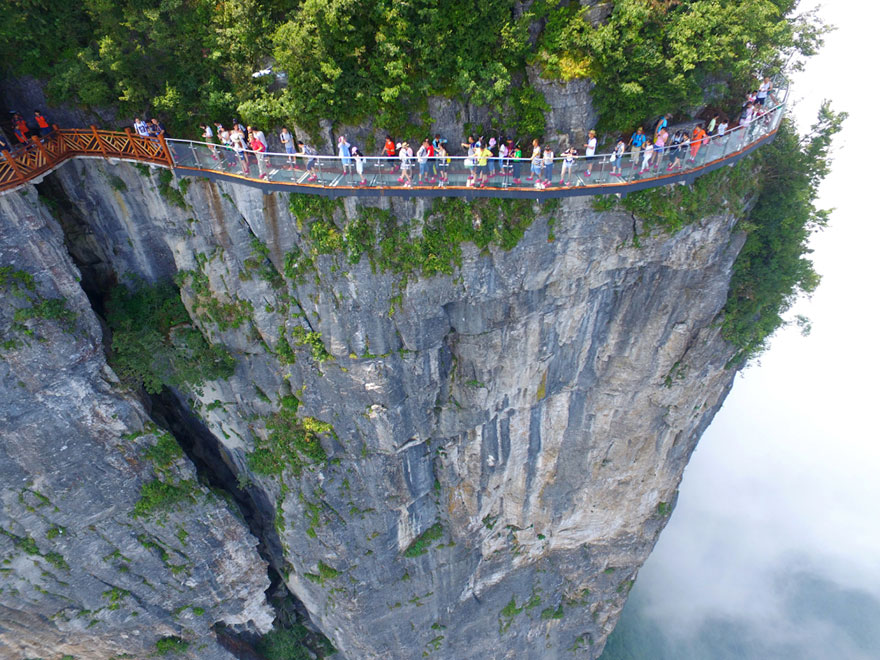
[130,137]
[98,140]
[41,149]
[166,151]
[14,166]
[58,137]
[192,148]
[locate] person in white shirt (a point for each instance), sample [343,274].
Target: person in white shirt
[763,91]
[567,165]
[141,127]
[590,146]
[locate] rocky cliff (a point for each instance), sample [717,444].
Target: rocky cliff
[457,454]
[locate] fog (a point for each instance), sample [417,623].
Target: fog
[774,548]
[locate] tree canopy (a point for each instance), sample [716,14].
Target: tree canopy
[346,60]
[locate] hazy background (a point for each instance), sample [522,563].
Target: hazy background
[774,549]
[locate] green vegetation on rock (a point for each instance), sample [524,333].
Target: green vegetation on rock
[286,644]
[424,541]
[325,572]
[775,190]
[292,442]
[649,58]
[772,268]
[154,342]
[426,247]
[172,644]
[159,496]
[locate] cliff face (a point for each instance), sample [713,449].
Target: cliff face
[81,575]
[506,441]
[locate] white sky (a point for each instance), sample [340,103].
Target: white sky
[790,469]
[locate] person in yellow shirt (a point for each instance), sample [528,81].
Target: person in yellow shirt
[483,165]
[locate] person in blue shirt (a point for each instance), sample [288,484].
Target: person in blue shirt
[636,142]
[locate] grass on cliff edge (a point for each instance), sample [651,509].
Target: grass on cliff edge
[154,342]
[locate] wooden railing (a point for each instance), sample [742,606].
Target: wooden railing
[43,154]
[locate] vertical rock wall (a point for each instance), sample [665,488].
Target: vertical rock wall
[79,574]
[507,441]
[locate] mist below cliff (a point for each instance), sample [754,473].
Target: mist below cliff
[774,548]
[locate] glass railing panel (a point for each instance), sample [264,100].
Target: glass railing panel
[459,171]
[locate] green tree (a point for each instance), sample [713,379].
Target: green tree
[154,342]
[652,57]
[773,268]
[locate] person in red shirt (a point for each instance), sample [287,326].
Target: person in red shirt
[432,170]
[390,151]
[20,128]
[697,141]
[42,123]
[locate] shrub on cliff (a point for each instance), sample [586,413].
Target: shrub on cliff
[154,342]
[773,268]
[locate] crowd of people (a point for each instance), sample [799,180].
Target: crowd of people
[664,149]
[22,131]
[243,147]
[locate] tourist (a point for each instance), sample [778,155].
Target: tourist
[662,123]
[262,138]
[536,163]
[677,148]
[659,144]
[422,156]
[156,129]
[697,139]
[517,164]
[722,126]
[503,159]
[208,137]
[548,167]
[223,136]
[494,162]
[21,128]
[647,154]
[390,153]
[20,135]
[4,143]
[359,164]
[42,123]
[405,155]
[617,157]
[309,153]
[636,142]
[259,148]
[436,142]
[287,142]
[763,91]
[483,157]
[712,124]
[140,127]
[239,144]
[345,154]
[470,161]
[442,163]
[590,152]
[567,165]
